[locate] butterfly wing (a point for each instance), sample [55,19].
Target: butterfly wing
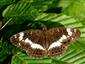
[31,41]
[59,38]
[39,43]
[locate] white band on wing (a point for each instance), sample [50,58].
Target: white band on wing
[69,31]
[55,44]
[58,43]
[33,45]
[21,34]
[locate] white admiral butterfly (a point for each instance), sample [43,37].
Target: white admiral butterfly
[45,42]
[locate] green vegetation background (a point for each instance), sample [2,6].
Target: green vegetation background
[26,14]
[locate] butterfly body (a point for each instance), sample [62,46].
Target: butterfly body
[45,42]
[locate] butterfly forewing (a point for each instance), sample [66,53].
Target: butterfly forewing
[45,42]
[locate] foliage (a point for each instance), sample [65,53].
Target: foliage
[26,14]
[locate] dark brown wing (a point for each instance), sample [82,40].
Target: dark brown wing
[45,38]
[35,36]
[59,38]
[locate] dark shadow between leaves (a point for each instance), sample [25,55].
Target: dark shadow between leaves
[7,60]
[54,10]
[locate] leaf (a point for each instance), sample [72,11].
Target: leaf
[76,9]
[24,59]
[75,54]
[6,49]
[65,20]
[26,8]
[65,3]
[5,2]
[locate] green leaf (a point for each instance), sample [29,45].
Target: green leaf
[65,3]
[65,20]
[6,49]
[27,8]
[5,2]
[21,58]
[76,9]
[75,54]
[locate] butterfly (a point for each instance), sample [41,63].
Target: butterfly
[45,42]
